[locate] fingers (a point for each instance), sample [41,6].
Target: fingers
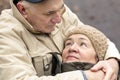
[114,77]
[106,68]
[109,74]
[98,66]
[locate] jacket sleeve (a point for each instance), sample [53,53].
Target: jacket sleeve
[73,75]
[16,63]
[112,51]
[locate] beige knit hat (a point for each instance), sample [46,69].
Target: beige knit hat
[97,38]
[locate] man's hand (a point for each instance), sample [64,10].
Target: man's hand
[98,75]
[109,67]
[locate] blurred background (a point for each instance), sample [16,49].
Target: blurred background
[102,14]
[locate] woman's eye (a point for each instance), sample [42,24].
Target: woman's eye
[68,44]
[83,44]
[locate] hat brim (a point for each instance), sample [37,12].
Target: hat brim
[35,1]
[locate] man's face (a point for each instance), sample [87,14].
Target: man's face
[44,16]
[78,48]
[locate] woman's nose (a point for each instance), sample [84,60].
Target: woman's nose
[74,48]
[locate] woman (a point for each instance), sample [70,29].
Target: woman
[83,47]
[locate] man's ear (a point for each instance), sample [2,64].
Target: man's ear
[21,9]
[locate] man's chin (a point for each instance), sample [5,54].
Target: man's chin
[48,31]
[51,30]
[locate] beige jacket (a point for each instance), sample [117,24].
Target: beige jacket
[22,49]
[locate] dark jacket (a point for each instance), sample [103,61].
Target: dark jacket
[59,67]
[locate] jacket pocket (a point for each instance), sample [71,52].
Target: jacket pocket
[43,64]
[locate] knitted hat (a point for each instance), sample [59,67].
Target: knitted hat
[97,38]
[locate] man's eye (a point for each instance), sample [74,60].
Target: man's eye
[50,13]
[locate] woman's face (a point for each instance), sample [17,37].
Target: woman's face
[78,48]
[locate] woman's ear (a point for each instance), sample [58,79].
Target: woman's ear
[97,58]
[21,9]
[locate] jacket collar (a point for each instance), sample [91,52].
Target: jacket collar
[17,14]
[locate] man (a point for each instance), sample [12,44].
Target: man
[29,31]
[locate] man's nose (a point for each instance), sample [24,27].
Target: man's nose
[56,18]
[74,48]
